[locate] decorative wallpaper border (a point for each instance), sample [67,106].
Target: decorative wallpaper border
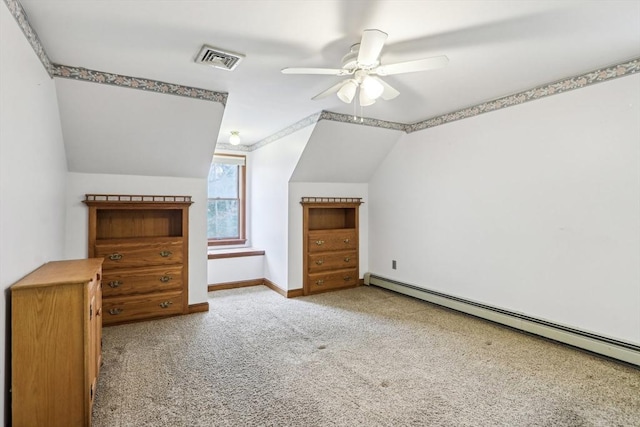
[78,73]
[364,121]
[56,70]
[21,18]
[554,88]
[311,120]
[560,86]
[307,121]
[241,147]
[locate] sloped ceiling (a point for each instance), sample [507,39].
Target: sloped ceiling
[343,153]
[495,48]
[114,130]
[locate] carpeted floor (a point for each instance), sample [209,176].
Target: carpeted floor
[360,357]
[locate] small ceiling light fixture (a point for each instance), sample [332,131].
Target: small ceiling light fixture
[372,87]
[234,139]
[348,91]
[364,98]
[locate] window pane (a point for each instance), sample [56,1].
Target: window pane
[223,181]
[222,219]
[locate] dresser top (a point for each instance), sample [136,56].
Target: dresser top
[332,200]
[59,272]
[130,198]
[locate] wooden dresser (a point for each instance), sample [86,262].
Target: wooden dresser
[330,243]
[144,241]
[56,334]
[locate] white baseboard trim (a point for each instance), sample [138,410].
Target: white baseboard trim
[609,347]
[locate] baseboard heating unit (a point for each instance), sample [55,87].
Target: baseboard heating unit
[620,350]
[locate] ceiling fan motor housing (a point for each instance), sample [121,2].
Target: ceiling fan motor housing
[350,60]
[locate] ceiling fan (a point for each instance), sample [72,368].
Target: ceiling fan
[362,65]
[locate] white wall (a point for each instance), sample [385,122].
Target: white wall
[298,190]
[534,208]
[271,167]
[79,184]
[32,171]
[225,270]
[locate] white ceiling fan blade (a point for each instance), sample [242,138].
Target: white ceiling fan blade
[370,47]
[326,71]
[389,92]
[333,89]
[412,66]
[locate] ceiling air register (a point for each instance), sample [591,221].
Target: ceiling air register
[218,58]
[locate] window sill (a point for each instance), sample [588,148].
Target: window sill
[226,242]
[234,253]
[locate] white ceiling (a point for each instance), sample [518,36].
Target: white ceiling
[361,149]
[495,48]
[115,130]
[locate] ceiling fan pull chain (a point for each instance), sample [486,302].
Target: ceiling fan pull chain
[355,112]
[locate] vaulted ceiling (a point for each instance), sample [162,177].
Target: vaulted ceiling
[495,48]
[120,131]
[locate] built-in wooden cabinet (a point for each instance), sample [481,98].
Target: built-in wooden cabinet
[330,243]
[56,334]
[144,241]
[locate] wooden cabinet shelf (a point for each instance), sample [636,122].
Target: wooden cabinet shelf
[144,243]
[332,218]
[330,243]
[138,223]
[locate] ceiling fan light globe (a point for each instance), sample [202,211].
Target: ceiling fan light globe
[372,87]
[347,91]
[365,101]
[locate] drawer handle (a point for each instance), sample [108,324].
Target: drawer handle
[320,282]
[346,241]
[115,257]
[166,304]
[165,254]
[115,284]
[165,279]
[347,259]
[115,311]
[346,278]
[319,242]
[320,262]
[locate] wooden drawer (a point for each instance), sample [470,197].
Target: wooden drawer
[319,282]
[332,261]
[139,253]
[126,309]
[141,280]
[332,240]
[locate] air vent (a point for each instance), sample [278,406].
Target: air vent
[218,58]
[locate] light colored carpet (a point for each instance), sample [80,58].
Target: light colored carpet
[360,357]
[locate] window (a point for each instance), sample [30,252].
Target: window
[226,200]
